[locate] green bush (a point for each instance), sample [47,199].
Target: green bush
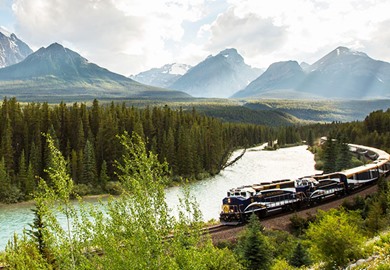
[81,189]
[114,188]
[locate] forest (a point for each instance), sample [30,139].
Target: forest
[130,146]
[113,236]
[194,145]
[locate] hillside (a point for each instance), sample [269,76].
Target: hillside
[342,73]
[217,76]
[56,73]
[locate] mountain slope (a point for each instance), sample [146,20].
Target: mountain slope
[342,73]
[58,71]
[163,76]
[281,75]
[217,76]
[345,73]
[12,49]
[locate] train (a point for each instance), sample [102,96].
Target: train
[267,198]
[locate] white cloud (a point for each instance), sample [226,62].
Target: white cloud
[124,36]
[302,30]
[251,34]
[129,36]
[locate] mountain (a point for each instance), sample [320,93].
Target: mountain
[279,76]
[345,73]
[342,73]
[57,72]
[12,49]
[163,76]
[217,76]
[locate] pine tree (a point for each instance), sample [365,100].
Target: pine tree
[300,256]
[344,156]
[36,231]
[104,178]
[253,247]
[310,138]
[5,182]
[89,165]
[6,150]
[330,155]
[95,118]
[22,174]
[30,181]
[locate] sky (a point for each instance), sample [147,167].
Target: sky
[130,36]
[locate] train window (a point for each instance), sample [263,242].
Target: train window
[228,194]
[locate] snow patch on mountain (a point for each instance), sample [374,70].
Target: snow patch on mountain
[5,32]
[12,49]
[163,76]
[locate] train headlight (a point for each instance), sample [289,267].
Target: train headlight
[229,201]
[225,208]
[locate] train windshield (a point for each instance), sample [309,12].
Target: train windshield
[238,193]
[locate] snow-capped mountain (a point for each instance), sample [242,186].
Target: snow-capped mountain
[217,76]
[342,73]
[345,73]
[12,49]
[163,76]
[58,72]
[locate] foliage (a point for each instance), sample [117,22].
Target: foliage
[132,231]
[298,225]
[253,247]
[24,255]
[334,239]
[282,264]
[335,155]
[300,256]
[282,243]
[193,144]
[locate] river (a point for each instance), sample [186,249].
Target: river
[254,167]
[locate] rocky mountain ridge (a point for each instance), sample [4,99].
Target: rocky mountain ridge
[12,49]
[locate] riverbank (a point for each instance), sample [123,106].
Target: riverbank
[31,202]
[253,167]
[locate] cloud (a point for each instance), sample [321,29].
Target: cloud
[380,49]
[249,33]
[129,36]
[124,36]
[303,30]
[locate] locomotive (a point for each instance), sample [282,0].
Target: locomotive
[267,198]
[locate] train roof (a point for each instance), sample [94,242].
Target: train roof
[360,169]
[381,154]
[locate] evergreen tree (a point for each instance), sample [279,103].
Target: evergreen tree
[330,155]
[74,167]
[253,247]
[300,256]
[30,181]
[344,156]
[103,175]
[5,182]
[6,147]
[22,175]
[36,232]
[89,165]
[310,138]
